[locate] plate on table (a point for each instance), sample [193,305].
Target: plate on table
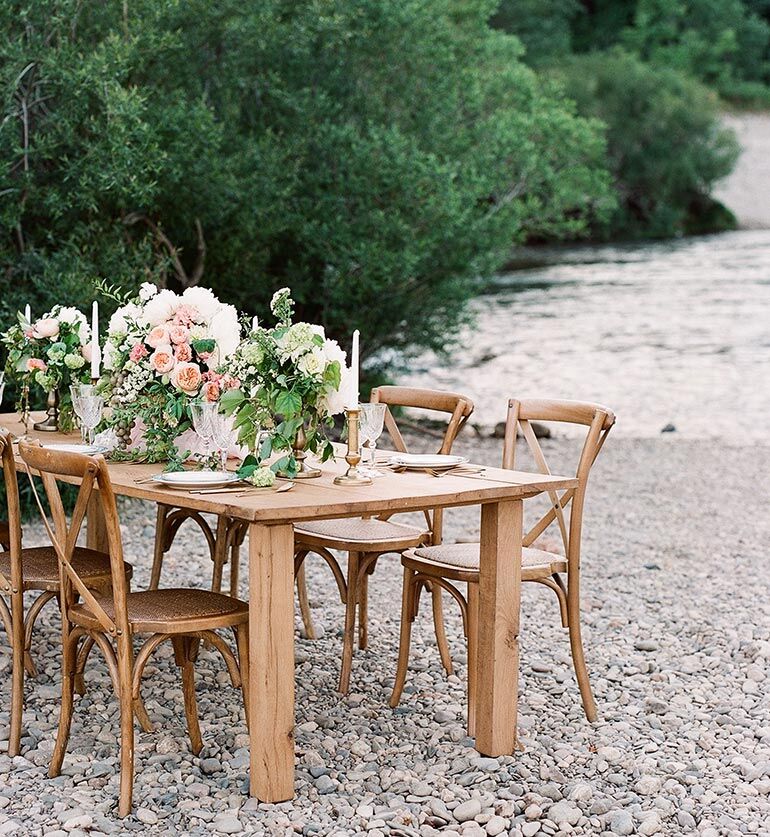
[420,461]
[88,450]
[196,479]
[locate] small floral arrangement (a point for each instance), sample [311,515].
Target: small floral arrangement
[290,385]
[163,350]
[51,353]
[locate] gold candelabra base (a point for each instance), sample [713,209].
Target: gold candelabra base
[353,457]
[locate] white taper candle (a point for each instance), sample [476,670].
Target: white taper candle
[96,355]
[354,363]
[28,313]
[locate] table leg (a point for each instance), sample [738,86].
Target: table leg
[498,630]
[271,661]
[96,525]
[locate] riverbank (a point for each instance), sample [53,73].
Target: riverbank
[745,191]
[677,632]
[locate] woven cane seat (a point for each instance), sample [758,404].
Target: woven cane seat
[535,563]
[172,611]
[340,533]
[5,535]
[40,567]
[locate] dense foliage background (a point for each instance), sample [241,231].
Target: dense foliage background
[378,156]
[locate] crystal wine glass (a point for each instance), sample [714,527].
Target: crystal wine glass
[202,412]
[371,421]
[2,386]
[91,407]
[222,434]
[77,391]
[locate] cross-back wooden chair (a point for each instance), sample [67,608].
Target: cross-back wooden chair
[224,541]
[184,616]
[366,539]
[441,565]
[37,570]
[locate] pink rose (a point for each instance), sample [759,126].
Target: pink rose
[138,352]
[186,315]
[179,334]
[210,391]
[162,359]
[183,353]
[87,351]
[187,377]
[47,327]
[35,363]
[158,337]
[29,333]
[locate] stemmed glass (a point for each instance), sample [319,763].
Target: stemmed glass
[91,407]
[214,428]
[370,426]
[2,386]
[77,391]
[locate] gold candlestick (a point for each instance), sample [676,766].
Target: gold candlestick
[353,456]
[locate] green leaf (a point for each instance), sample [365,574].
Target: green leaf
[288,403]
[231,400]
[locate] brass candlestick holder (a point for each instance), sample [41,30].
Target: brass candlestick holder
[353,456]
[50,423]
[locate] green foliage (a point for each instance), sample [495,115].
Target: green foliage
[375,156]
[666,145]
[543,26]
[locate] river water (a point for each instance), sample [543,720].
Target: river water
[663,333]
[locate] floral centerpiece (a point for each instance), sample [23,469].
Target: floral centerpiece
[163,350]
[51,353]
[286,386]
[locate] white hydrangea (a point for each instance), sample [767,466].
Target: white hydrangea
[147,291]
[297,340]
[204,300]
[160,308]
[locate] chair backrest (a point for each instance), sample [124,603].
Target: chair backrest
[599,421]
[14,583]
[457,407]
[95,488]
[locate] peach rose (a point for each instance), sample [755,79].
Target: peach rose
[47,327]
[162,359]
[210,391]
[35,363]
[158,337]
[87,351]
[183,353]
[187,377]
[179,334]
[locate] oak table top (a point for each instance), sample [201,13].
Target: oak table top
[271,582]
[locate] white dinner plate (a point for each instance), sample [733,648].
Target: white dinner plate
[196,479]
[89,450]
[437,461]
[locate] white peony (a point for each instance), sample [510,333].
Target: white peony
[160,308]
[70,315]
[204,300]
[333,352]
[336,400]
[225,329]
[147,291]
[119,321]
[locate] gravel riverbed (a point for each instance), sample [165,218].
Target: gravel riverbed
[676,595]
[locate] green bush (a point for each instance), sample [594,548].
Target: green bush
[666,145]
[375,156]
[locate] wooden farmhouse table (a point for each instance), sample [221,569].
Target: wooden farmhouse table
[270,516]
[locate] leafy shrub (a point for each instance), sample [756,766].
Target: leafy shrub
[665,142]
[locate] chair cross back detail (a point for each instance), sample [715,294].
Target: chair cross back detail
[458,407]
[599,421]
[95,486]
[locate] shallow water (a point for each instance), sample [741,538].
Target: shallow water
[675,332]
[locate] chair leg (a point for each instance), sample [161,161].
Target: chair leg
[183,652]
[578,657]
[473,649]
[438,624]
[69,661]
[363,610]
[160,542]
[408,595]
[80,665]
[304,603]
[348,635]
[29,625]
[235,565]
[17,687]
[220,554]
[126,748]
[242,643]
